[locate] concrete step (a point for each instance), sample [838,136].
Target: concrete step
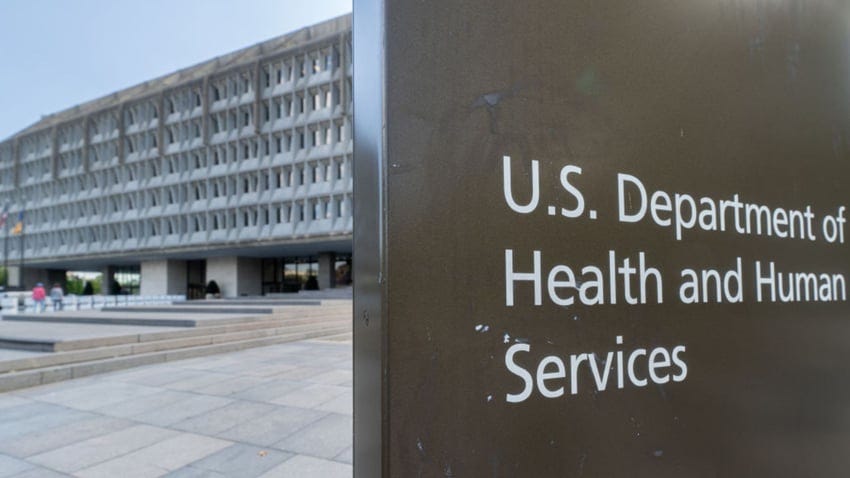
[57,337]
[232,302]
[44,375]
[228,309]
[167,342]
[149,319]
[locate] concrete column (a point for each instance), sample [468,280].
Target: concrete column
[27,277]
[327,272]
[107,280]
[236,276]
[167,277]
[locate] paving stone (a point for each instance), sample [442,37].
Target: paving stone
[333,377]
[87,453]
[270,428]
[221,419]
[343,404]
[88,427]
[137,406]
[192,472]
[230,386]
[310,396]
[270,390]
[39,472]
[262,369]
[26,410]
[156,376]
[51,417]
[157,459]
[11,466]
[209,363]
[302,372]
[198,379]
[96,395]
[44,440]
[7,401]
[245,461]
[193,406]
[347,456]
[326,438]
[302,466]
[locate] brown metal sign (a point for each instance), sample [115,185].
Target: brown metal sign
[602,238]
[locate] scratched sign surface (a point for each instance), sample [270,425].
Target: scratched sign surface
[613,239]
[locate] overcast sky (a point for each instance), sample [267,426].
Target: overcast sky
[55,54]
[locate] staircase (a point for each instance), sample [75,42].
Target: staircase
[46,348]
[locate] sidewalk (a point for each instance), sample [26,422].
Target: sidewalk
[278,411]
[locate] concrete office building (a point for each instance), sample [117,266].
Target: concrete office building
[236,170]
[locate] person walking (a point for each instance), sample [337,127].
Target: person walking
[56,296]
[38,297]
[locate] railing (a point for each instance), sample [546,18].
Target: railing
[14,305]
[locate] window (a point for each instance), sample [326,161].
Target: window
[340,207]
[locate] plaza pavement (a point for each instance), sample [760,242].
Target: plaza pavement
[277,411]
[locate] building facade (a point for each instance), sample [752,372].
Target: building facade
[236,170]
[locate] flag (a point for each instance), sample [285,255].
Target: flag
[19,227]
